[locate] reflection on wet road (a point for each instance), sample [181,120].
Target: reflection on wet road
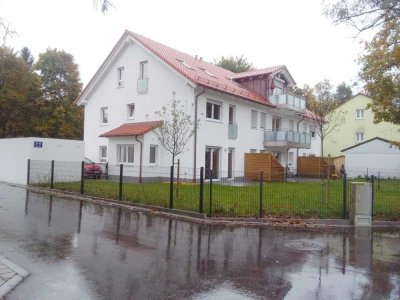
[78,250]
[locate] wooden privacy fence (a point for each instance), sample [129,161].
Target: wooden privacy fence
[266,162]
[315,166]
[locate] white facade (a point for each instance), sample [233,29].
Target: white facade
[374,157]
[15,152]
[116,93]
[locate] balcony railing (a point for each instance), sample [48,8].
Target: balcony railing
[142,85]
[286,138]
[288,101]
[232,131]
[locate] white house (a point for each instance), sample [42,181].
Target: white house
[238,113]
[376,156]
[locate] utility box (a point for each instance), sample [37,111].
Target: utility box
[361,203]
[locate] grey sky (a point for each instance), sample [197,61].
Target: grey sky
[268,33]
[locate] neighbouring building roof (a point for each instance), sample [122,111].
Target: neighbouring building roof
[367,141]
[199,71]
[132,129]
[257,72]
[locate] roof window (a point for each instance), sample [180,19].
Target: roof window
[208,72]
[185,64]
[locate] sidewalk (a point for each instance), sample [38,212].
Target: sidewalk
[10,276]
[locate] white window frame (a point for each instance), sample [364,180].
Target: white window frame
[128,106]
[155,154]
[214,104]
[144,71]
[359,137]
[125,159]
[359,114]
[120,76]
[253,119]
[104,115]
[263,120]
[102,158]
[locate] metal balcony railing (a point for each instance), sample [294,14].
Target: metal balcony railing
[142,85]
[287,138]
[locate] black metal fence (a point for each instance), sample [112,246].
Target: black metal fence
[230,194]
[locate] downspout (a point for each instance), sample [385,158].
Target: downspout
[195,134]
[141,158]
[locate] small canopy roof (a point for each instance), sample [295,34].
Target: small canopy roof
[132,129]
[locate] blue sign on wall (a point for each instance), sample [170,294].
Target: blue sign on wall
[37,144]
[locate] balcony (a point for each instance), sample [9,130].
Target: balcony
[289,102]
[142,85]
[288,139]
[232,131]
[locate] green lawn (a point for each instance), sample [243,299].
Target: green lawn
[312,199]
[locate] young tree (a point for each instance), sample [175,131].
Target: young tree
[235,64]
[176,130]
[321,102]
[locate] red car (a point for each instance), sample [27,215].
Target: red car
[91,170]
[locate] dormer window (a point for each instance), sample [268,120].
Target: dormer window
[120,74]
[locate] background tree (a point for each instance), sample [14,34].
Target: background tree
[60,86]
[381,60]
[235,64]
[343,93]
[321,101]
[176,130]
[27,56]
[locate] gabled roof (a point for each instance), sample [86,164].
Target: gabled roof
[132,129]
[258,72]
[198,71]
[367,141]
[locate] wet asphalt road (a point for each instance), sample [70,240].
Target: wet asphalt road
[77,250]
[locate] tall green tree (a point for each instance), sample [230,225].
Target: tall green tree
[60,86]
[235,64]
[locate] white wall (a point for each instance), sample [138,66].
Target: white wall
[15,152]
[371,158]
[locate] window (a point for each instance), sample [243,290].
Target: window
[131,110]
[263,120]
[125,153]
[290,158]
[276,124]
[120,72]
[104,115]
[291,125]
[213,110]
[254,117]
[312,132]
[153,154]
[359,114]
[359,137]
[232,111]
[185,64]
[103,154]
[143,69]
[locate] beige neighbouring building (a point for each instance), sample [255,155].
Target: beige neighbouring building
[358,127]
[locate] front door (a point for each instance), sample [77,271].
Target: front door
[212,162]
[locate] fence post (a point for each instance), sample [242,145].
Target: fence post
[201,190]
[106,170]
[28,175]
[260,215]
[171,188]
[211,180]
[379,181]
[82,176]
[121,179]
[373,196]
[52,175]
[344,195]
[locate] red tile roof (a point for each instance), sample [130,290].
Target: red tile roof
[219,80]
[257,72]
[132,129]
[311,115]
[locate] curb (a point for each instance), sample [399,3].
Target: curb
[13,275]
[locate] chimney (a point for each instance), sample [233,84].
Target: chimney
[201,58]
[195,56]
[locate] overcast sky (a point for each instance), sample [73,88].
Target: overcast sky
[268,33]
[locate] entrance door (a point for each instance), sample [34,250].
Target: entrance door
[212,162]
[230,163]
